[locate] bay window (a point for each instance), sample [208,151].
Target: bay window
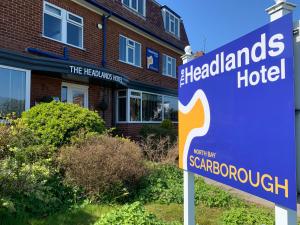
[62,26]
[14,90]
[142,107]
[135,106]
[171,108]
[152,107]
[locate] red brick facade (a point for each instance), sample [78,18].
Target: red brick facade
[21,27]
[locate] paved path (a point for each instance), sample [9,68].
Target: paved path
[248,197]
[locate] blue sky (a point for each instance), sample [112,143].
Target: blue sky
[213,23]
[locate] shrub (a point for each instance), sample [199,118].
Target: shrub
[167,124]
[247,216]
[4,141]
[28,177]
[107,168]
[164,130]
[156,150]
[55,123]
[172,156]
[134,214]
[165,185]
[32,184]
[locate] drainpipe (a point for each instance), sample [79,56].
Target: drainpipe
[104,32]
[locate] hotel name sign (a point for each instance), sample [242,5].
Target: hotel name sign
[96,73]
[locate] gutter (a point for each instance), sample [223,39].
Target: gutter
[104,32]
[98,5]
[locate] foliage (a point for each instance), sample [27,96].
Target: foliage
[156,150]
[4,140]
[165,185]
[55,123]
[133,214]
[159,131]
[247,216]
[28,177]
[158,140]
[107,168]
[167,124]
[172,156]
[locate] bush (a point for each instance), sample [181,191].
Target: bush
[165,185]
[107,168]
[32,184]
[247,216]
[167,124]
[133,214]
[55,123]
[156,150]
[4,140]
[164,130]
[28,177]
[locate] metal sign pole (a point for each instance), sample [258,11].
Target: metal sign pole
[189,189]
[283,216]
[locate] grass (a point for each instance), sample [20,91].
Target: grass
[88,214]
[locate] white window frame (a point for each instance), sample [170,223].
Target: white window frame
[165,70]
[177,35]
[64,20]
[137,7]
[71,86]
[133,48]
[27,83]
[128,96]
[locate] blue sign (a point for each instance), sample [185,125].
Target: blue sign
[152,60]
[237,114]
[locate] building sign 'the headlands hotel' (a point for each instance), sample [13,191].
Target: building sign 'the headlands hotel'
[118,57]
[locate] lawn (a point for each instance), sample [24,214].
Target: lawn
[88,214]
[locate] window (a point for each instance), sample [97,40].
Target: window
[74,93]
[172,23]
[171,108]
[63,26]
[138,6]
[121,108]
[14,90]
[144,107]
[130,51]
[169,66]
[135,106]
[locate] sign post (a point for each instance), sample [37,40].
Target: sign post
[188,177]
[283,216]
[237,118]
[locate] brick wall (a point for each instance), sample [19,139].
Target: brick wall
[21,27]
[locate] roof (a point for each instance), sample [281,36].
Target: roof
[153,22]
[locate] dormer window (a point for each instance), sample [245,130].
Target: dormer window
[171,22]
[138,6]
